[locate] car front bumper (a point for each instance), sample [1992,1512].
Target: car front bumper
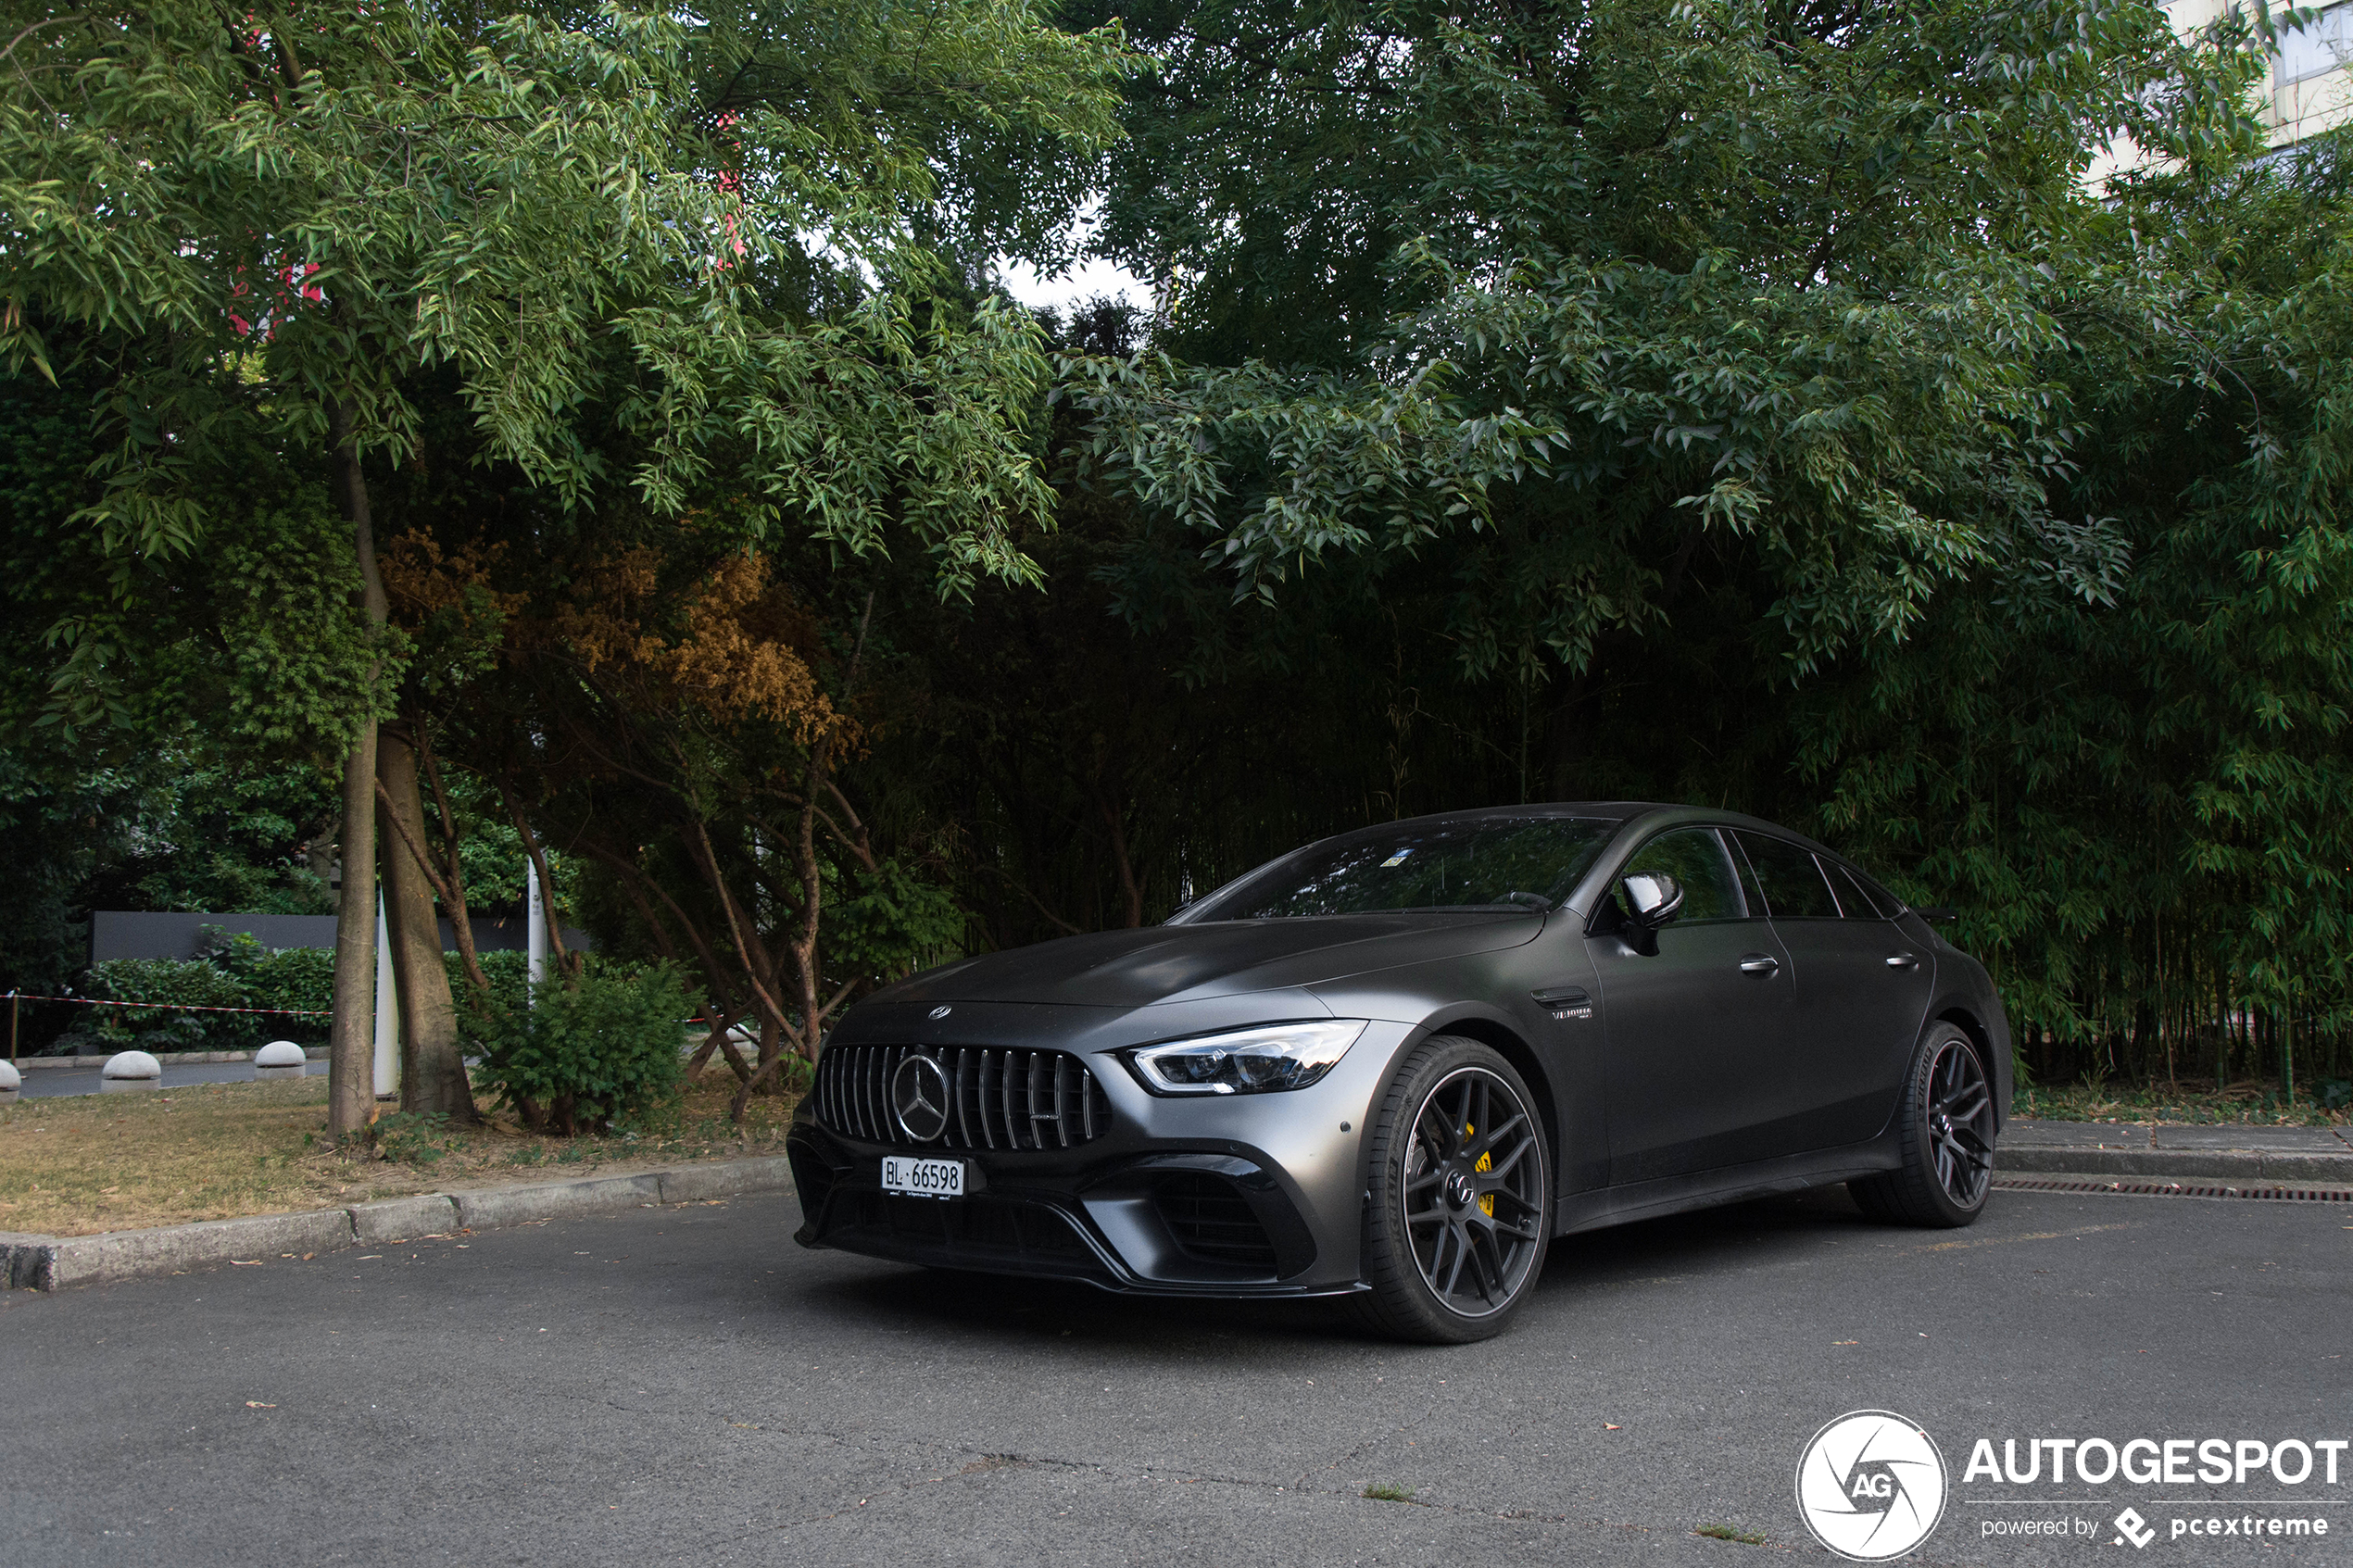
[1230,1196]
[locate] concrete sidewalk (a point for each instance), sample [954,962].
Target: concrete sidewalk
[49,1263]
[2269,1155]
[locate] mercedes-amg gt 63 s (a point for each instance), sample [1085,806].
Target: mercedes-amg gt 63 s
[1394,1065]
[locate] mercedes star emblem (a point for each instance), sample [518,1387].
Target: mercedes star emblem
[919,1098]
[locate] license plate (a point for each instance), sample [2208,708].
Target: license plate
[924,1178]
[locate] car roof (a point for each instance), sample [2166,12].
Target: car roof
[1648,813]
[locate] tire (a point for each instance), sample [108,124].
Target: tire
[1457,1223]
[1944,1132]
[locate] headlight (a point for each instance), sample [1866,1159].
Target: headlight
[1247,1062]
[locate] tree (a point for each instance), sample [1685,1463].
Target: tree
[713,231]
[1763,276]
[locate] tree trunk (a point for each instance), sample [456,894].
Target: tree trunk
[351,1049]
[452,885]
[433,1070]
[351,1070]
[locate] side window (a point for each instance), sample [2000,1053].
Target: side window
[1858,896]
[1792,882]
[1695,859]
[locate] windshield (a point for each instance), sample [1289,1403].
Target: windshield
[1459,866]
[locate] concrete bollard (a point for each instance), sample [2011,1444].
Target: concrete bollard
[10,1082]
[127,1071]
[279,1059]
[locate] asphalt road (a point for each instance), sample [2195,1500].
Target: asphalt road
[41,1082]
[685,1386]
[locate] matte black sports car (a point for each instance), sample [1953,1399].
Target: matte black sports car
[1395,1064]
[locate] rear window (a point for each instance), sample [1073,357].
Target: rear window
[1861,897]
[1791,879]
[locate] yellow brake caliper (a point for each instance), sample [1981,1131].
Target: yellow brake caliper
[1486,1162]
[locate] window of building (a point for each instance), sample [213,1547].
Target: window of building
[2315,49]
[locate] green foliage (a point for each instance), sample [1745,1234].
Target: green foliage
[1616,279]
[236,971]
[182,982]
[212,838]
[600,1051]
[708,225]
[299,979]
[509,972]
[888,922]
[413,1138]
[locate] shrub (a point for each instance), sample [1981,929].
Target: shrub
[301,979]
[417,1138]
[187,981]
[508,973]
[600,1051]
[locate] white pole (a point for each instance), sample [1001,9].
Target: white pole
[537,922]
[387,1009]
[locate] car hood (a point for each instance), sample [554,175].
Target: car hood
[1171,963]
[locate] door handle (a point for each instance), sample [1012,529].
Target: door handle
[1759,964]
[1902,961]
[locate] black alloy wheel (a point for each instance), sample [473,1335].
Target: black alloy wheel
[1461,1210]
[1945,1128]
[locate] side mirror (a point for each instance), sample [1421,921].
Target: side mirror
[1651,899]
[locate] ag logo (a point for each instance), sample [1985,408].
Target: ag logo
[1871,1486]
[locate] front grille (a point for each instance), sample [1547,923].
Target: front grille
[1016,1100]
[1213,1222]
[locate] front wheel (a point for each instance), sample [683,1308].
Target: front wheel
[1460,1203]
[1945,1129]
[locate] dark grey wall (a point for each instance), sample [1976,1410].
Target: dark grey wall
[121,933]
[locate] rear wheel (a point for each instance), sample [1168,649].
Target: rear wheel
[1945,1128]
[1461,1205]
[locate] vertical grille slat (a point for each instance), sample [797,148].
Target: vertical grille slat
[871,1080]
[1001,1097]
[1005,1088]
[1062,1100]
[981,1093]
[964,1126]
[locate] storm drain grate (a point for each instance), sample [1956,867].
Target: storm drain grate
[2176,1189]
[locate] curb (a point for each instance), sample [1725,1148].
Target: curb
[2245,1165]
[50,1262]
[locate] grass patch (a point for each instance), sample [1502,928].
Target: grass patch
[2186,1101]
[1729,1533]
[1381,1491]
[77,1164]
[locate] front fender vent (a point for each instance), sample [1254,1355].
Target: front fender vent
[999,1098]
